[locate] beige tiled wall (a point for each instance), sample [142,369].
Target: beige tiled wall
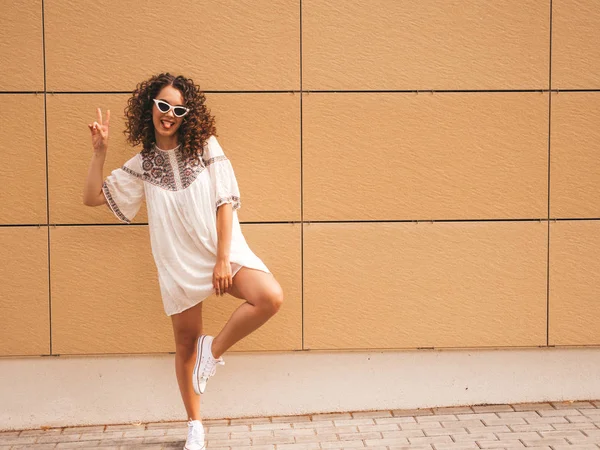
[414,174]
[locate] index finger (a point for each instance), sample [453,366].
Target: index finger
[99,115]
[107,116]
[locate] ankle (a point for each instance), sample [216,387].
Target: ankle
[215,349]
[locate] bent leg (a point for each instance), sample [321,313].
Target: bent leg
[263,296]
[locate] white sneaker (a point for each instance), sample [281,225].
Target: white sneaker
[206,364]
[195,438]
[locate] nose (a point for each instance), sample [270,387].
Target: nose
[170,113]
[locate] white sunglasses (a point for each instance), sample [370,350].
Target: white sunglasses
[165,107]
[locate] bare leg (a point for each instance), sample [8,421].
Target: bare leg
[187,327]
[263,296]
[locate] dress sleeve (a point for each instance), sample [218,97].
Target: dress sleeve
[221,174]
[124,191]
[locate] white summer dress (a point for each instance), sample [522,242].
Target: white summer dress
[182,197]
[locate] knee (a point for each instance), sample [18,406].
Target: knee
[185,341]
[274,300]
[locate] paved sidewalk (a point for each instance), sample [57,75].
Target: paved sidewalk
[550,426]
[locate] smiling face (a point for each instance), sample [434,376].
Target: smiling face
[166,124]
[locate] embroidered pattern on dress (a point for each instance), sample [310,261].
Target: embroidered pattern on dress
[232,198]
[113,205]
[208,162]
[158,170]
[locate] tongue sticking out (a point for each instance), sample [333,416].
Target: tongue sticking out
[166,125]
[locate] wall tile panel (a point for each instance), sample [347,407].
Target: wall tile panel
[574,282]
[23,149]
[429,44]
[24,310]
[407,285]
[575,155]
[241,45]
[383,156]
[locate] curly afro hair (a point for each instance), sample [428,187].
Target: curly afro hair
[197,125]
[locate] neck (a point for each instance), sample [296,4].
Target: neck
[166,143]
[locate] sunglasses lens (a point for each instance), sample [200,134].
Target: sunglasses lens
[179,111]
[163,107]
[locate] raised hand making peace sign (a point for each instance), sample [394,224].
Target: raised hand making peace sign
[99,131]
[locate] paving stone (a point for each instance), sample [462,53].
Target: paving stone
[144,433]
[388,442]
[379,427]
[343,422]
[533,427]
[33,446]
[492,429]
[422,426]
[581,419]
[436,418]
[559,412]
[430,440]
[50,432]
[453,410]
[84,430]
[574,426]
[445,431]
[573,404]
[250,420]
[337,430]
[169,425]
[397,420]
[532,435]
[242,434]
[372,414]
[48,439]
[125,427]
[455,446]
[317,438]
[303,431]
[492,408]
[273,426]
[353,436]
[544,441]
[254,447]
[340,444]
[78,444]
[532,406]
[101,435]
[314,424]
[412,412]
[501,444]
[290,419]
[402,434]
[551,419]
[265,440]
[225,428]
[475,437]
[477,416]
[306,446]
[331,416]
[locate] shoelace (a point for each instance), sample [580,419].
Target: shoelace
[210,368]
[195,434]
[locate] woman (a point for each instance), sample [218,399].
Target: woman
[192,197]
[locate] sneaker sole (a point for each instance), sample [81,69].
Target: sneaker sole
[203,447]
[195,380]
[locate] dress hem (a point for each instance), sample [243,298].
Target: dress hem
[180,310]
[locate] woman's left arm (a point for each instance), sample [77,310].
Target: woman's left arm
[222,278]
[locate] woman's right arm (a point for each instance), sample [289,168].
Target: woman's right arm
[92,193]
